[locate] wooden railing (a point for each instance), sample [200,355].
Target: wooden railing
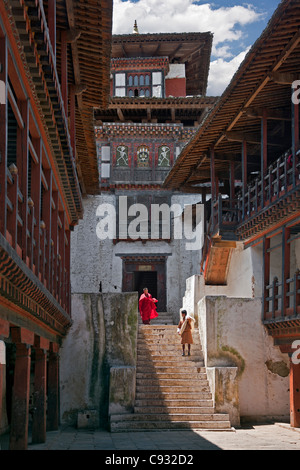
[279,304]
[46,259]
[281,177]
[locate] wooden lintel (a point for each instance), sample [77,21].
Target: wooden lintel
[234,136]
[223,244]
[22,335]
[273,114]
[284,78]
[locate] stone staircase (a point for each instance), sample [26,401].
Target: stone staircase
[164,318]
[172,391]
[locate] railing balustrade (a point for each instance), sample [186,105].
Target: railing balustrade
[277,307]
[280,178]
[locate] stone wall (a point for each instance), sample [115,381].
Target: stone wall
[233,336]
[100,344]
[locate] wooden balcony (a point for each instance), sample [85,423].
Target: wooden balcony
[265,202]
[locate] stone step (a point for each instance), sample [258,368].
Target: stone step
[172,391]
[162,358]
[160,331]
[170,417]
[167,389]
[187,410]
[171,381]
[189,375]
[172,395]
[123,426]
[169,403]
[162,349]
[167,368]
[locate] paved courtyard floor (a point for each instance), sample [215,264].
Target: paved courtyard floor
[252,437]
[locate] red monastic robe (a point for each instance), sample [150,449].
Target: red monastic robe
[147,307]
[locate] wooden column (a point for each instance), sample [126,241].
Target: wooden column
[36,174]
[264,154]
[244,175]
[231,182]
[73,118]
[285,269]
[212,182]
[47,214]
[54,235]
[24,339]
[266,275]
[68,271]
[4,333]
[52,24]
[3,133]
[294,395]
[53,377]
[64,69]
[295,135]
[40,391]
[22,165]
[62,257]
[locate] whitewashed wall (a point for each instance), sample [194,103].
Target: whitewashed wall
[94,261]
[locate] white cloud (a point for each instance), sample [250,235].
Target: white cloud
[221,72]
[228,25]
[182,16]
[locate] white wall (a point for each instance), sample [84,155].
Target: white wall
[94,260]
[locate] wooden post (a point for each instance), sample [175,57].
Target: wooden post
[266,275]
[4,333]
[295,136]
[24,339]
[72,119]
[244,175]
[285,270]
[40,391]
[3,133]
[64,69]
[264,154]
[52,24]
[53,377]
[47,206]
[54,234]
[22,165]
[213,182]
[231,184]
[294,395]
[36,184]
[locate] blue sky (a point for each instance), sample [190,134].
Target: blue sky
[235,25]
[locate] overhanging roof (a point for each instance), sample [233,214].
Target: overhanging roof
[263,81]
[193,49]
[88,68]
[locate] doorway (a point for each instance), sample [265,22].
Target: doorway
[147,271]
[145,279]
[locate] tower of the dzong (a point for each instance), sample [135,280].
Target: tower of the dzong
[157,100]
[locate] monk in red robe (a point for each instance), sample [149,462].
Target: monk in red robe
[147,307]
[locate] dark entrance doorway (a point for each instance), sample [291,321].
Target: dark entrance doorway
[145,279]
[146,271]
